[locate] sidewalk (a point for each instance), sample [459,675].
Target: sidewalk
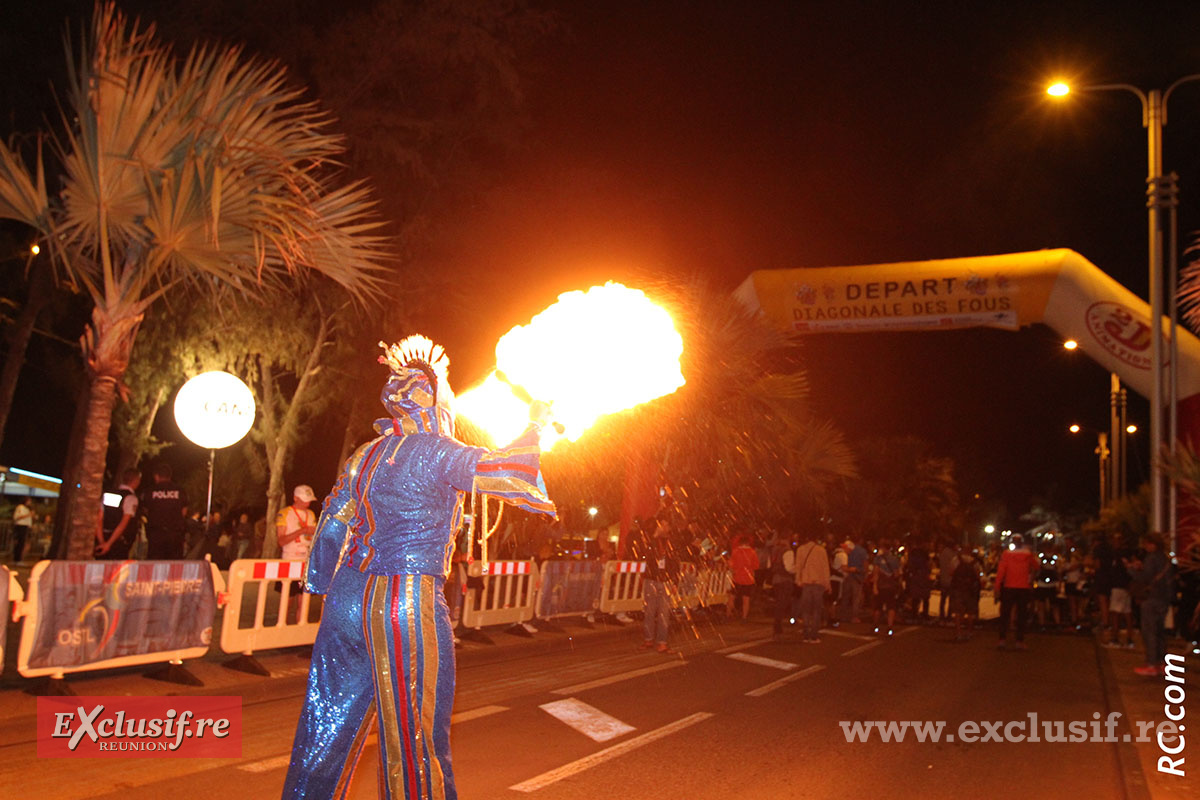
[1140,698]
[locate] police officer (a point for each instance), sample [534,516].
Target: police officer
[120,528]
[165,507]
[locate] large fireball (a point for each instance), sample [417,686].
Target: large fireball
[591,353]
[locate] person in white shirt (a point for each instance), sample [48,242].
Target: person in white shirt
[296,524]
[22,519]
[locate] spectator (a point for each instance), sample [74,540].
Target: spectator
[850,604]
[1120,602]
[947,561]
[1014,581]
[1153,583]
[812,579]
[22,520]
[886,580]
[1046,587]
[966,581]
[165,507]
[837,574]
[296,524]
[120,527]
[243,537]
[1105,565]
[920,582]
[783,579]
[662,570]
[743,562]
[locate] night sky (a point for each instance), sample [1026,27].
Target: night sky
[713,139]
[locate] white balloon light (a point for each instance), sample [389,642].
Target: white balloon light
[214,409]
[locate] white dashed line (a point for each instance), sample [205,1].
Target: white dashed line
[476,713]
[763,661]
[770,687]
[744,645]
[624,676]
[588,720]
[863,648]
[607,754]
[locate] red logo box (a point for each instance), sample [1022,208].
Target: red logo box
[139,727]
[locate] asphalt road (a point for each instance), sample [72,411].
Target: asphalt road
[716,720]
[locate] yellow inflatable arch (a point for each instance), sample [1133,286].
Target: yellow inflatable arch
[1058,288]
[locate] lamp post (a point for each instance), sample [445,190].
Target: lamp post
[1162,194]
[1112,466]
[214,410]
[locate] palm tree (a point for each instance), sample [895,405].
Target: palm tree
[207,170]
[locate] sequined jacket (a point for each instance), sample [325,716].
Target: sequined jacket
[398,499]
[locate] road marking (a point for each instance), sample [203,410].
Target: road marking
[907,630]
[763,661]
[859,636]
[744,645]
[267,764]
[607,754]
[588,720]
[863,648]
[624,676]
[770,687]
[476,713]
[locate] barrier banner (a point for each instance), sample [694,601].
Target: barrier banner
[89,612]
[569,587]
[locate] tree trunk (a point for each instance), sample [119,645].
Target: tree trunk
[107,344]
[271,445]
[350,439]
[17,340]
[70,476]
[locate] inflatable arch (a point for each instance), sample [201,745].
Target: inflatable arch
[1058,288]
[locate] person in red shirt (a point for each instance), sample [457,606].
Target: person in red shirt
[1014,584]
[743,561]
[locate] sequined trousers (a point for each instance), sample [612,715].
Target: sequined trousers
[384,651]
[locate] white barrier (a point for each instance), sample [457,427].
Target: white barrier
[84,627]
[13,594]
[715,583]
[621,589]
[506,596]
[686,591]
[283,630]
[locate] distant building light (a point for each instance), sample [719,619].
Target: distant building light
[37,475]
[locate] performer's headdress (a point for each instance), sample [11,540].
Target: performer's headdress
[417,395]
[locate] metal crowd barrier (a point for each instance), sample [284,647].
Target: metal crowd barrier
[500,593]
[287,624]
[621,588]
[89,615]
[568,588]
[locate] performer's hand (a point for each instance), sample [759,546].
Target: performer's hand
[539,413]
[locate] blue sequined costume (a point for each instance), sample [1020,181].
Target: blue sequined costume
[385,649]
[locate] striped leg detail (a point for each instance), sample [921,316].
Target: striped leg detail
[414,686]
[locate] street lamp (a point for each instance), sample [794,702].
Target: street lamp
[1070,344]
[1161,194]
[1113,462]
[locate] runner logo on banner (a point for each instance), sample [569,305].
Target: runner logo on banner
[96,611]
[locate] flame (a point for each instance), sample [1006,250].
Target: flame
[589,354]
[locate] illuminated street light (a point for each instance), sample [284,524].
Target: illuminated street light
[1074,429]
[35,249]
[989,528]
[1131,428]
[593,511]
[1162,195]
[1070,344]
